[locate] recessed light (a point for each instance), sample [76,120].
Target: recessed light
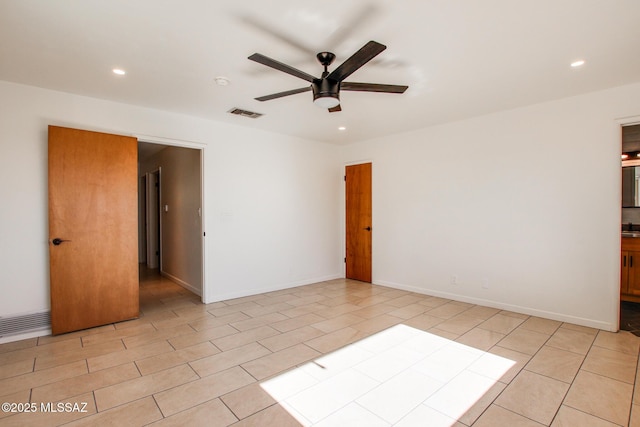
[119,71]
[342,128]
[221,81]
[577,63]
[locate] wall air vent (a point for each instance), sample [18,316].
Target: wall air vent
[245,113]
[25,323]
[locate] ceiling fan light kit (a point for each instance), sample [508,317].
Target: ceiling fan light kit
[325,93]
[326,89]
[326,101]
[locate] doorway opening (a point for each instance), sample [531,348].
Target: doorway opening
[171,228]
[630,219]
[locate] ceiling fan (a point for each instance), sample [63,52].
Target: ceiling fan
[326,88]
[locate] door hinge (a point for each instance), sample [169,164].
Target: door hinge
[345,178]
[345,259]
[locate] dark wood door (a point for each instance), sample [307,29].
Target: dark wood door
[624,272]
[633,279]
[93,229]
[358,222]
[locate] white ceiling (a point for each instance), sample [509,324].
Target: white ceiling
[460,58]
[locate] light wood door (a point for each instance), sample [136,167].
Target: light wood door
[93,229]
[358,222]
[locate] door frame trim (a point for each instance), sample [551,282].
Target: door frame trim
[151,139]
[343,215]
[628,121]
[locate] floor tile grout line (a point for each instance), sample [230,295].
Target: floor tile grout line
[513,412]
[613,349]
[608,377]
[153,396]
[574,378]
[135,363]
[524,369]
[145,396]
[594,416]
[189,382]
[231,410]
[95,401]
[635,387]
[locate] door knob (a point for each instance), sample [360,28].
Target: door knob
[57,241]
[368,228]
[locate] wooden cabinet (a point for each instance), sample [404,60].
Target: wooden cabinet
[630,269]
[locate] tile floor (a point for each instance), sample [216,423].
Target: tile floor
[336,353]
[630,317]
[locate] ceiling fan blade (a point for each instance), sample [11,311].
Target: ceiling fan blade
[265,60]
[254,22]
[372,87]
[285,93]
[356,20]
[357,60]
[335,109]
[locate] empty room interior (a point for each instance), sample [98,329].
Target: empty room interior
[345,213]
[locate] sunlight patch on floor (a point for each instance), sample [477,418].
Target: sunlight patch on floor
[401,376]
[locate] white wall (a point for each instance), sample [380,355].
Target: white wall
[271,209]
[528,199]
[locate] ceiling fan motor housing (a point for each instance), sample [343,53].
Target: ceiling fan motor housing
[325,88]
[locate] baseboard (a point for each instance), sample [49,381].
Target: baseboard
[27,335]
[561,317]
[182,283]
[255,291]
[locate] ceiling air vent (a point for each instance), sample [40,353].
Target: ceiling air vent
[245,113]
